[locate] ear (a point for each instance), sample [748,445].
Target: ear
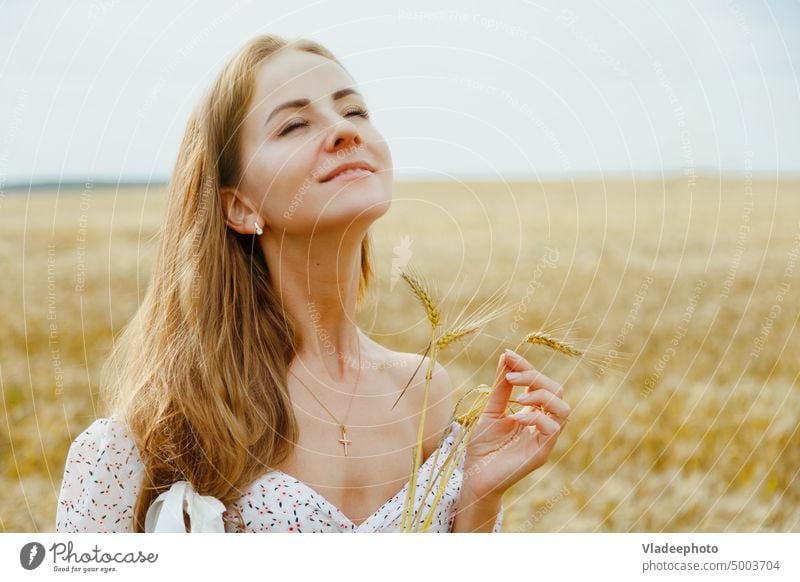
[239,213]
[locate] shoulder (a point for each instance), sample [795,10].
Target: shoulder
[406,364]
[109,429]
[104,438]
[102,475]
[440,401]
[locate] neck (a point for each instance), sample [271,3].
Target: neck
[317,281]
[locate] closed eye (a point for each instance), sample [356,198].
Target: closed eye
[361,112]
[292,127]
[357,111]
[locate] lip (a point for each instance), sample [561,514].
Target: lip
[348,166]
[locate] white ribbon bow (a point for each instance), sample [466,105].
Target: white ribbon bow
[165,515]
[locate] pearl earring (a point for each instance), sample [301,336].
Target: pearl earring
[259,230]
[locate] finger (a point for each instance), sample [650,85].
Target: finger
[546,399]
[531,378]
[538,419]
[498,399]
[515,362]
[559,419]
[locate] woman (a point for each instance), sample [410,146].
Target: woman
[245,355]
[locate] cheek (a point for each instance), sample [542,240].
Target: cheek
[275,177]
[386,163]
[383,153]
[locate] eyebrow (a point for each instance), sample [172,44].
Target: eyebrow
[297,103]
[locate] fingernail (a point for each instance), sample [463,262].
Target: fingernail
[518,415]
[511,352]
[511,376]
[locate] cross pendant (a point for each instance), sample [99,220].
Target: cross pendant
[344,440]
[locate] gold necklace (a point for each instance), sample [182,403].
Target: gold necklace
[342,426]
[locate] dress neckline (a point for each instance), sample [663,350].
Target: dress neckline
[338,512]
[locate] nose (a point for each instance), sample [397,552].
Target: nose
[343,134]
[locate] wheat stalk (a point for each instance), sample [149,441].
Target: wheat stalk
[464,326]
[421,289]
[468,421]
[412,482]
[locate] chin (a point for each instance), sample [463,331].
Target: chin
[369,209]
[377,203]
[354,212]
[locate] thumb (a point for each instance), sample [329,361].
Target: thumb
[498,400]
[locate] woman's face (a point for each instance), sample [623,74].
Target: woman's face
[289,150]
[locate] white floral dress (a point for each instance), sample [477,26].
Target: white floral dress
[104,471]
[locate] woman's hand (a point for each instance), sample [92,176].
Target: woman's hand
[504,449]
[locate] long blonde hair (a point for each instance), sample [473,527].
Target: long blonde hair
[199,373]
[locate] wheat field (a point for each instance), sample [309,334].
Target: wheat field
[693,426]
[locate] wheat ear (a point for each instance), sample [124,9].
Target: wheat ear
[486,312]
[422,290]
[539,337]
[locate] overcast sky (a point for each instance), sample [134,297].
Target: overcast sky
[102,89]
